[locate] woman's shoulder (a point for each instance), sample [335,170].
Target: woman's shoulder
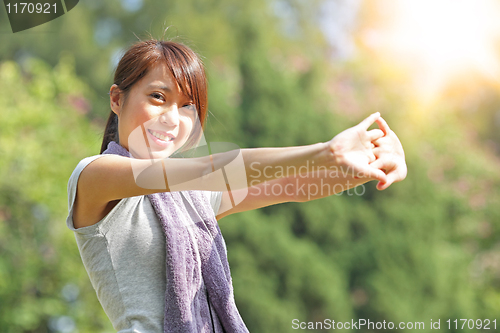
[82,164]
[73,179]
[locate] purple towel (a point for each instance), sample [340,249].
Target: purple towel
[199,294]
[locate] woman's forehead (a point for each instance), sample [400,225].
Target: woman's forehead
[161,76]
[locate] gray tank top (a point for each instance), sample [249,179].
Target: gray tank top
[124,255]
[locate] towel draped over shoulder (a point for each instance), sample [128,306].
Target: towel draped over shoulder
[199,294]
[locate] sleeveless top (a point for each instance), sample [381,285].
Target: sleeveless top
[124,255]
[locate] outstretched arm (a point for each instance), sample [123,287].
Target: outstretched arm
[350,151]
[112,178]
[322,182]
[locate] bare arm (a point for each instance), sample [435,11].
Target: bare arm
[295,188]
[112,178]
[322,182]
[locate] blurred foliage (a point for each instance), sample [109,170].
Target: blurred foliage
[426,248]
[43,132]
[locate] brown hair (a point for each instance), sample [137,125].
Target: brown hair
[185,66]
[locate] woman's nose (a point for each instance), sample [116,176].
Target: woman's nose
[171,116]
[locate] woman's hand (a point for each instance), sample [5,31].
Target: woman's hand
[390,156]
[354,152]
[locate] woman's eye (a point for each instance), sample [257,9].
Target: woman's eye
[157,96]
[190,107]
[188,110]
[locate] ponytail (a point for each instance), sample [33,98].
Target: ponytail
[110,132]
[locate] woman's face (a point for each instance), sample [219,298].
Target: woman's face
[156,118]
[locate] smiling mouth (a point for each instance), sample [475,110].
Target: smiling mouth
[160,136]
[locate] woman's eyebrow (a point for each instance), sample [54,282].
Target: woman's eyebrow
[164,88]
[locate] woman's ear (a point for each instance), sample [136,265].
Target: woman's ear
[115,99]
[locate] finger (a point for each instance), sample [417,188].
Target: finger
[396,174]
[383,185]
[375,134]
[377,151]
[367,122]
[372,173]
[383,164]
[379,142]
[383,125]
[371,156]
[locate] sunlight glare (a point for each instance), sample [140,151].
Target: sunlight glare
[441,38]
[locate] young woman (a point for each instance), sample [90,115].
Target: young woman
[145,219]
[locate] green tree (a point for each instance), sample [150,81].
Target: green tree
[43,134]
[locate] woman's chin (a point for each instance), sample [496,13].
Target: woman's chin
[161,154]
[150,154]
